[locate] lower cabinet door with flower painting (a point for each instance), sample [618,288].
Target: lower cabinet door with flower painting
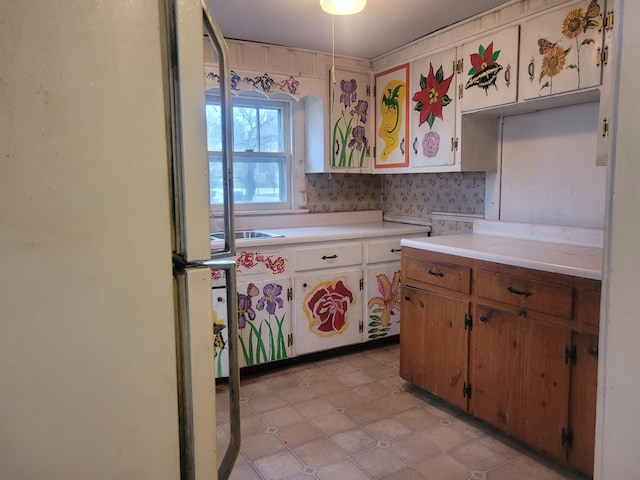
[329,310]
[264,321]
[383,302]
[559,50]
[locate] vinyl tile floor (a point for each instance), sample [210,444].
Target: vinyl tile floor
[353,418]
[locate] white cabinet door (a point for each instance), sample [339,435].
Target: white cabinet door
[433,110]
[350,119]
[558,50]
[264,320]
[383,301]
[488,70]
[328,309]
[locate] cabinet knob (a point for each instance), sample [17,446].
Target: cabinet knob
[407,298]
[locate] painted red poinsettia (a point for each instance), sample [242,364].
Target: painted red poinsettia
[432,96]
[327,307]
[483,59]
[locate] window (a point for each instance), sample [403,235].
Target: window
[262,153]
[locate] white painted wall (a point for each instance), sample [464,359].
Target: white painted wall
[618,423]
[549,172]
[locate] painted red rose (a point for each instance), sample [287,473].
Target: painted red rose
[328,306]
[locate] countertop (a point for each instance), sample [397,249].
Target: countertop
[557,256]
[326,233]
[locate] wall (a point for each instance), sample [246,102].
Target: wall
[415,196]
[549,172]
[618,425]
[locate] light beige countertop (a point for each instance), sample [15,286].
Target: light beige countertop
[568,251]
[321,228]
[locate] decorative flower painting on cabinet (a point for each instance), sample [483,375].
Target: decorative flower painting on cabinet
[385,308]
[327,307]
[349,117]
[484,68]
[392,117]
[564,54]
[265,326]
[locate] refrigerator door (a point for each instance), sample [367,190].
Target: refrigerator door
[87,329]
[88,318]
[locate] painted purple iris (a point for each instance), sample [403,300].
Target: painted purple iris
[359,140]
[244,310]
[361,110]
[349,94]
[271,299]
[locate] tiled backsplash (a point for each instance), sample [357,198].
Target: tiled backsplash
[406,195]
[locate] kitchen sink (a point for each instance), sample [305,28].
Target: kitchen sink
[245,234]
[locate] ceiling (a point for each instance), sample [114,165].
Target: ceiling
[382,26]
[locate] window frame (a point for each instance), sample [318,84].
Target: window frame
[255,99]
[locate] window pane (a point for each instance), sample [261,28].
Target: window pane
[214,128]
[255,179]
[271,130]
[245,129]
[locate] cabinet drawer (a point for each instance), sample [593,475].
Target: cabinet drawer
[383,251]
[553,299]
[328,256]
[446,275]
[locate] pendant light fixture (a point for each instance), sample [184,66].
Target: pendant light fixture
[342,7]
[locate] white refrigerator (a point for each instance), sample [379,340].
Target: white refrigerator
[106,353]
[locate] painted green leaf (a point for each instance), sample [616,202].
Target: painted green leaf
[439,75]
[495,55]
[446,100]
[423,82]
[430,119]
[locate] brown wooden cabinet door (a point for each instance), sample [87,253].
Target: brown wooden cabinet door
[434,344]
[519,378]
[582,418]
[496,363]
[545,401]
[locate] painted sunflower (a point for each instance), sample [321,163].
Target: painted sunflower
[553,61]
[574,23]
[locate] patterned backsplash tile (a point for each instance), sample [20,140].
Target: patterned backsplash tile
[407,195]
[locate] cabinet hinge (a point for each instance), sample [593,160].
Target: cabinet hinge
[369,91]
[566,438]
[602,56]
[289,294]
[460,91]
[466,390]
[361,327]
[368,151]
[607,20]
[605,127]
[454,144]
[362,284]
[468,322]
[570,354]
[290,340]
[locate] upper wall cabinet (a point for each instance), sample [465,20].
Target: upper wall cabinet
[350,122]
[487,70]
[391,93]
[433,110]
[561,50]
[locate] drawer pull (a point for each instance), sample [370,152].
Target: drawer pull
[407,298]
[330,257]
[434,273]
[395,250]
[593,351]
[515,291]
[484,319]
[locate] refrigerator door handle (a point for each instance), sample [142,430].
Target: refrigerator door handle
[222,49]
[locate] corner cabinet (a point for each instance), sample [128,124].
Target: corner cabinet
[514,347]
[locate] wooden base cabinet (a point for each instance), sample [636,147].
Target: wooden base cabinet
[514,347]
[433,346]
